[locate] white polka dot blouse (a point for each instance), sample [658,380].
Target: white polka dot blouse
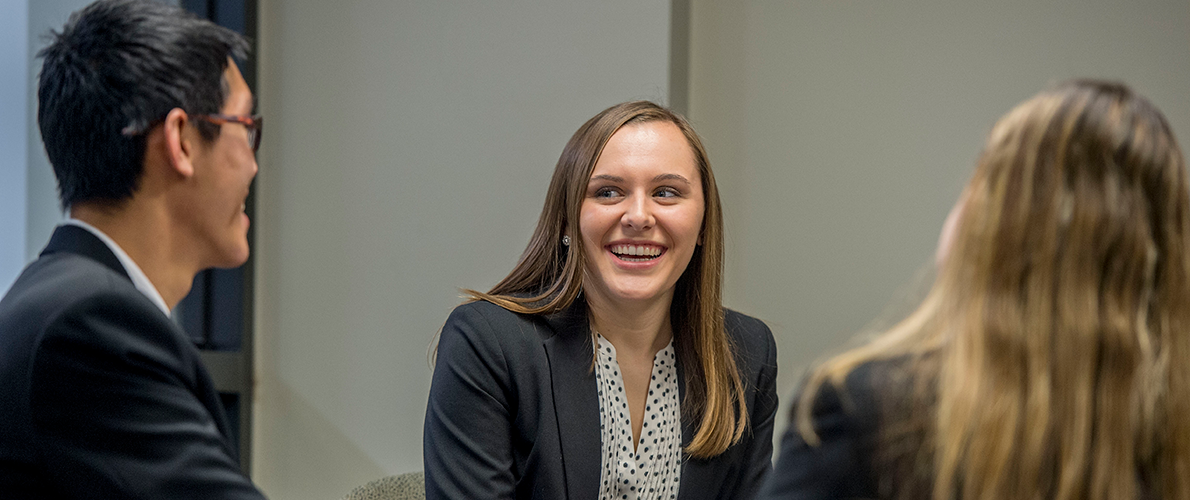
[651,471]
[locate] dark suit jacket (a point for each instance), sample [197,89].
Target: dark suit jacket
[514,411]
[847,420]
[871,430]
[101,395]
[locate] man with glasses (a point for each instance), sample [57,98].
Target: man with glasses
[147,122]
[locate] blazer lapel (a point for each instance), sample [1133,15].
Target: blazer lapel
[576,402]
[74,239]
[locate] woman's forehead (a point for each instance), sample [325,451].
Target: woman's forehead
[654,147]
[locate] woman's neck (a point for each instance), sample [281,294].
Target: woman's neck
[642,328]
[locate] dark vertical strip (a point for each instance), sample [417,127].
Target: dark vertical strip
[225,322]
[229,14]
[231,403]
[679,56]
[251,21]
[191,313]
[207,313]
[200,8]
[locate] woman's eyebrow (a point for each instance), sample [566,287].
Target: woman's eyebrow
[671,177]
[659,178]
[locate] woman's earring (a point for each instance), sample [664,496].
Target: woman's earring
[566,240]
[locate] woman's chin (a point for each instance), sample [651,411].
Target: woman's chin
[630,295]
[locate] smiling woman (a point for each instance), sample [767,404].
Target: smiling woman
[641,218]
[678,399]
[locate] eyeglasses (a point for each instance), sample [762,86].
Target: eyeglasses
[252,123]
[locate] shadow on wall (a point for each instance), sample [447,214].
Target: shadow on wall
[303,430]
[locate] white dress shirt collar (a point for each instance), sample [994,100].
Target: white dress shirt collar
[139,280]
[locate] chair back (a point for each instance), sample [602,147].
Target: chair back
[407,486]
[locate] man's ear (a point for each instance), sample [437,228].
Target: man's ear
[180,141]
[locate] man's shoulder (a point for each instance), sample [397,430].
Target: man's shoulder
[61,279]
[51,303]
[66,306]
[60,286]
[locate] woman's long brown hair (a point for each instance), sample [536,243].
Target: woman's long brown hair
[549,277]
[1051,355]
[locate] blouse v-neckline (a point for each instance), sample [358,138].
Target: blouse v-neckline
[652,470]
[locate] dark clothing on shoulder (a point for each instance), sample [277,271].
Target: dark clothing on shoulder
[101,394]
[514,411]
[852,460]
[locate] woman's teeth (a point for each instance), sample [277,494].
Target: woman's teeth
[636,253]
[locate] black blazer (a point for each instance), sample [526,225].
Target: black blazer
[870,445]
[514,410]
[847,420]
[101,395]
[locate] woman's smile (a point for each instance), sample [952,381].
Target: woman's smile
[636,252]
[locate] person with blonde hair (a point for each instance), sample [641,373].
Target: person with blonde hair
[1048,359]
[604,365]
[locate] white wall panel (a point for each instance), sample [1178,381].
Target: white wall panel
[14,132]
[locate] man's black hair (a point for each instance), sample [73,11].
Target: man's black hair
[116,69]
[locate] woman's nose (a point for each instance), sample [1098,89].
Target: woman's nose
[639,215]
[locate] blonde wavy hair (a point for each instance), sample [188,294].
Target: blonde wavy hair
[1051,357]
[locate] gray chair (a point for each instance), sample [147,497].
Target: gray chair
[407,486]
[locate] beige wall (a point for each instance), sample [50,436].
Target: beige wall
[842,132]
[408,151]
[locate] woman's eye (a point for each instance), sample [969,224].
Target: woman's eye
[607,192]
[667,192]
